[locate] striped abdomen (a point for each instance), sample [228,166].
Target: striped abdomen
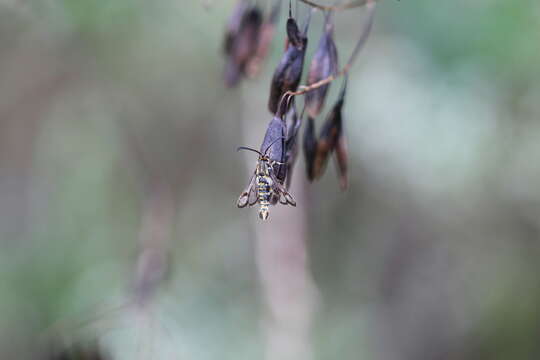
[264,194]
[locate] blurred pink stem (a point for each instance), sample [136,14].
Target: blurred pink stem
[287,285]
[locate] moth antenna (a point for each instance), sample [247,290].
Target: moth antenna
[248,148]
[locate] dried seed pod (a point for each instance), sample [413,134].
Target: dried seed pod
[330,133]
[293,33]
[310,148]
[266,35]
[323,64]
[293,123]
[289,71]
[233,25]
[241,46]
[341,154]
[232,71]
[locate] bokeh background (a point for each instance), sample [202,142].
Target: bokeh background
[119,176]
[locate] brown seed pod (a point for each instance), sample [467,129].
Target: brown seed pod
[289,71]
[323,64]
[341,154]
[330,133]
[293,123]
[310,148]
[234,26]
[266,35]
[241,46]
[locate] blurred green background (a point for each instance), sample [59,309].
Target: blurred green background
[115,124]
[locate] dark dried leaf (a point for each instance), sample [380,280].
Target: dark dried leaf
[234,25]
[310,148]
[330,133]
[291,144]
[342,160]
[289,71]
[266,35]
[323,64]
[242,46]
[246,42]
[293,33]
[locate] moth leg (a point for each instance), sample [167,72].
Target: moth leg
[243,199]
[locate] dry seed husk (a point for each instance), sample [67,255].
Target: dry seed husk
[243,46]
[291,144]
[331,131]
[310,148]
[266,35]
[289,70]
[341,154]
[234,25]
[323,64]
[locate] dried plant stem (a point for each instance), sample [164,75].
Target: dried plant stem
[302,89]
[345,6]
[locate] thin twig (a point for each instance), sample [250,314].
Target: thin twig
[345,6]
[302,89]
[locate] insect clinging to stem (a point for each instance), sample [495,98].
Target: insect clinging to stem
[264,187]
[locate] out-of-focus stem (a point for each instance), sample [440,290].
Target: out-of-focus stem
[286,282]
[289,292]
[154,236]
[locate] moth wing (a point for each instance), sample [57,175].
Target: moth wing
[283,195]
[252,198]
[245,197]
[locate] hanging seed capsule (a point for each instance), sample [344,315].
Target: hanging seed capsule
[341,154]
[310,148]
[293,33]
[234,25]
[289,71]
[291,143]
[232,71]
[323,64]
[241,46]
[330,133]
[266,35]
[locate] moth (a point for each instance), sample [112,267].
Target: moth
[266,184]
